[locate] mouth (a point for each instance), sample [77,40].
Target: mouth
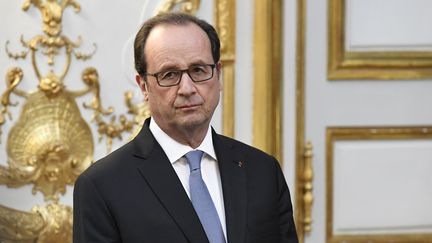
[188,107]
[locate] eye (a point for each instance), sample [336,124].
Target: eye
[168,75]
[198,69]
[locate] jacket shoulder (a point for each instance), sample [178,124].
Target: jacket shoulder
[245,149]
[112,163]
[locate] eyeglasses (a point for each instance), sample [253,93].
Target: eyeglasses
[198,73]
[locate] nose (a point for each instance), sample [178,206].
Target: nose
[186,85]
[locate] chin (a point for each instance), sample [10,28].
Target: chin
[193,121]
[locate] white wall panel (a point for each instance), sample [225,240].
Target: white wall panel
[289,92]
[382,186]
[388,25]
[244,71]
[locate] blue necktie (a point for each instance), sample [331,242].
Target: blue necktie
[201,199]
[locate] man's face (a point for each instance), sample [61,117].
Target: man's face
[188,105]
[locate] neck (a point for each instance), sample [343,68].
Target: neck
[192,136]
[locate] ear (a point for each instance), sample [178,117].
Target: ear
[218,69]
[143,86]
[218,73]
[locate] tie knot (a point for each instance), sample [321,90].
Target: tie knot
[194,159]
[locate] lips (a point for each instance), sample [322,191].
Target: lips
[192,102]
[190,106]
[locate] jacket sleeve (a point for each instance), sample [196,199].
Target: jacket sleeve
[92,219]
[287,228]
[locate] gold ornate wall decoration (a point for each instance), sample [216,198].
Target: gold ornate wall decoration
[186,6]
[225,23]
[267,106]
[114,128]
[19,226]
[307,182]
[384,65]
[300,205]
[51,223]
[140,111]
[50,144]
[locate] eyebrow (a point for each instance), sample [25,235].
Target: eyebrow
[169,67]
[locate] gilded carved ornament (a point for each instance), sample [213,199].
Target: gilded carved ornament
[186,6]
[223,26]
[51,144]
[307,182]
[51,223]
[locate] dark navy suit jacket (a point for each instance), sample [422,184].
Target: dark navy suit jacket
[134,195]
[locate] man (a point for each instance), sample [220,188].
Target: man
[154,189]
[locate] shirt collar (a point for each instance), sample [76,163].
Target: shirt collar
[175,150]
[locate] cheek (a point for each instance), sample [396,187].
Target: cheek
[162,99]
[213,96]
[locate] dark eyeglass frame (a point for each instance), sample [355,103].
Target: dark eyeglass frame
[155,75]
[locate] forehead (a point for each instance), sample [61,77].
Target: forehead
[177,43]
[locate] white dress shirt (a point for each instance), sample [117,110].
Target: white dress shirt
[209,166]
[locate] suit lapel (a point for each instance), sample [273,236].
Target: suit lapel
[163,180]
[233,177]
